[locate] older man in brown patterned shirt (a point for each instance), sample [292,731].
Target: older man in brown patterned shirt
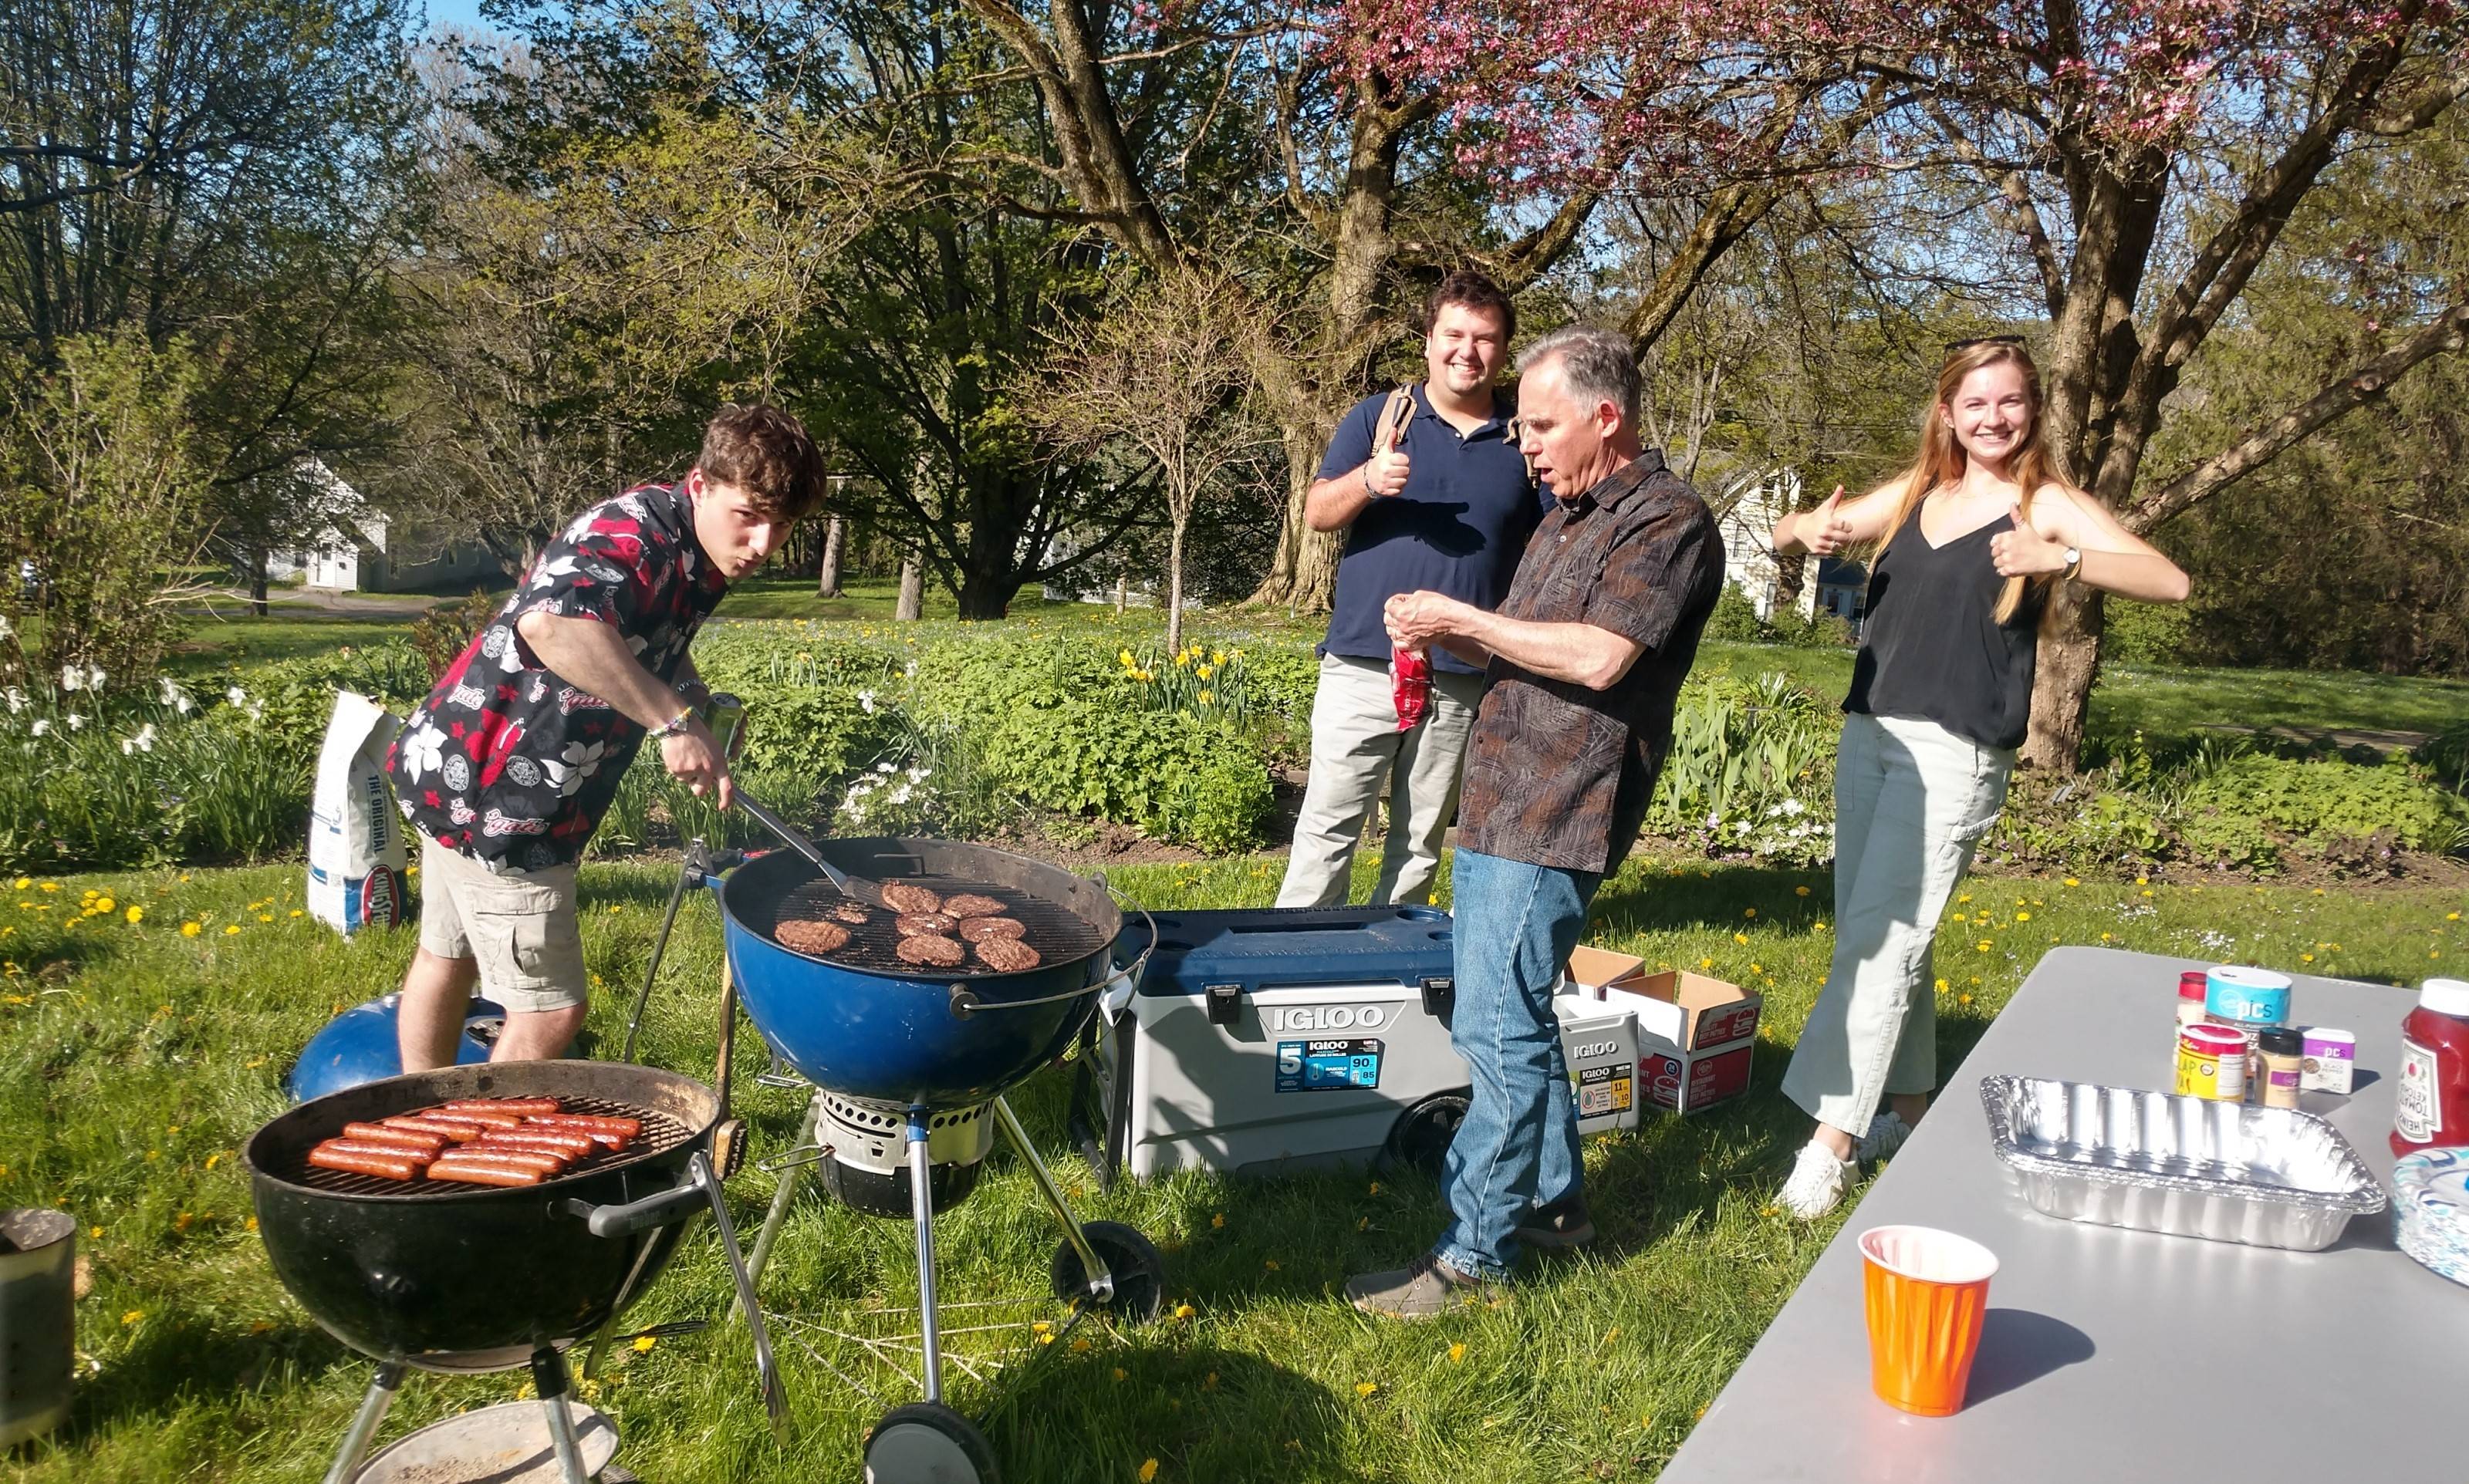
[1584,660]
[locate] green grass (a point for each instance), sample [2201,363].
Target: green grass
[285,633]
[135,1060]
[2167,702]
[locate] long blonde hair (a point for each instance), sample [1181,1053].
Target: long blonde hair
[1941,462]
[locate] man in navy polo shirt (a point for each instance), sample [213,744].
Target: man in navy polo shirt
[1442,502]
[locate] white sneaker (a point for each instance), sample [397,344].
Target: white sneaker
[1817,1182]
[1886,1135]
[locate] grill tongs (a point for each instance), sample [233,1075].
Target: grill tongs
[855,887]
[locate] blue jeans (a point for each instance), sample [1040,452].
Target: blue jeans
[1519,1146]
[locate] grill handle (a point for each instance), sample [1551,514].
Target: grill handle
[667,1207]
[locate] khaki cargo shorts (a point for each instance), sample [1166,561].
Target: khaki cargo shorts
[520,925]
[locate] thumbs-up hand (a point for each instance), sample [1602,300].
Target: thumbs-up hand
[1384,473]
[1825,530]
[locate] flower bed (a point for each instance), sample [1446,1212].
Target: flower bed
[865,729]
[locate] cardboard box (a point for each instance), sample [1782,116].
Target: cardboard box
[1594,969]
[1692,1011]
[1697,1036]
[1686,1081]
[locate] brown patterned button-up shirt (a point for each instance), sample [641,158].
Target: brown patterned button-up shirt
[1560,774]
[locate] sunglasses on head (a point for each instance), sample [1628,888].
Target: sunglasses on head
[1953,346]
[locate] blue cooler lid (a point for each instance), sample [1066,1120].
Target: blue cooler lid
[1261,948]
[360,1047]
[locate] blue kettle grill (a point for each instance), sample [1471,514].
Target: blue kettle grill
[909,1067]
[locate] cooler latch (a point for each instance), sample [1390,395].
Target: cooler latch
[1440,998]
[1225,1003]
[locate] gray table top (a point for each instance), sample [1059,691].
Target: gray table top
[2111,1354]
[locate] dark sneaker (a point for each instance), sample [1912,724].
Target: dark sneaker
[1422,1288]
[1559,1226]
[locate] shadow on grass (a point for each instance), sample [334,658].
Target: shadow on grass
[1203,1411]
[175,1360]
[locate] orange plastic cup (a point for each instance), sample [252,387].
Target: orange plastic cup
[1926,1291]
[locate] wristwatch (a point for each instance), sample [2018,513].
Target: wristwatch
[2074,563]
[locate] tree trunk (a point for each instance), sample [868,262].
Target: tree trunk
[1792,580]
[827,583]
[1174,585]
[912,590]
[257,581]
[1303,576]
[2069,662]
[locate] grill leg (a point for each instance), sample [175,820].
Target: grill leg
[548,1376]
[790,1178]
[921,1210]
[365,1423]
[1101,1278]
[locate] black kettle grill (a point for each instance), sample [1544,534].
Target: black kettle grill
[459,1278]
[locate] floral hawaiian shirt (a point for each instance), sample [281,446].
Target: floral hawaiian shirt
[506,762]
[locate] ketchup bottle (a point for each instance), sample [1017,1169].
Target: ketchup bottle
[2430,1109]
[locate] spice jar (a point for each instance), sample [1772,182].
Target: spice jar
[2281,1054]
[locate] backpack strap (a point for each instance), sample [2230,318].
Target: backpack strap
[1396,415]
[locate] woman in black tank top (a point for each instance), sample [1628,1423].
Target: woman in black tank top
[1969,542]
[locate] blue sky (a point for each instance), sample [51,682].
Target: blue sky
[458,13]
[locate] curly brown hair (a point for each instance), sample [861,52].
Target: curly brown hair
[765,452]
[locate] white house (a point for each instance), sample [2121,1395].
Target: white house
[1750,505]
[364,550]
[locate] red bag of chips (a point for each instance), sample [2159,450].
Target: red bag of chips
[1410,686]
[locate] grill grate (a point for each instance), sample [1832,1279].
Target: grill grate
[661,1134]
[1058,934]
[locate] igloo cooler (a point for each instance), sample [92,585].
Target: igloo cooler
[1268,1039]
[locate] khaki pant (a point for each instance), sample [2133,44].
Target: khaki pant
[1355,743]
[1911,800]
[519,924]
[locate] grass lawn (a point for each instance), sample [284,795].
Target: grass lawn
[135,1058]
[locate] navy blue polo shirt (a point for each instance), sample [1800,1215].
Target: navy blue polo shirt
[1458,526]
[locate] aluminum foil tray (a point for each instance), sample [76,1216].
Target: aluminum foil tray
[2189,1167]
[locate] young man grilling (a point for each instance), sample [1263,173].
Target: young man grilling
[1432,494]
[509,764]
[1585,660]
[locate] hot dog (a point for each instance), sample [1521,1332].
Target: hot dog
[416,1157]
[626,1128]
[474,1173]
[430,1144]
[542,1160]
[399,1166]
[573,1146]
[487,1117]
[504,1106]
[459,1129]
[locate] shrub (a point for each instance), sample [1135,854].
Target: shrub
[2323,801]
[1751,769]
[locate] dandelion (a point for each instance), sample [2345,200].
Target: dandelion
[1207,696]
[1748,911]
[214,1159]
[1741,939]
[1364,1388]
[1456,1353]
[1183,1311]
[132,1317]
[1217,1221]
[2305,958]
[1984,945]
[1122,1374]
[2071,882]
[231,930]
[1705,964]
[1148,1469]
[1963,999]
[1376,1187]
[1942,985]
[190,930]
[1270,1263]
[2023,917]
[101,904]
[1079,1346]
[1800,891]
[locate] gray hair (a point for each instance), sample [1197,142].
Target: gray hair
[1596,365]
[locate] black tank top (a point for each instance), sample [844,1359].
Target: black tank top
[1931,648]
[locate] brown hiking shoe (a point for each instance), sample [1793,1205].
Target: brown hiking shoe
[1419,1291]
